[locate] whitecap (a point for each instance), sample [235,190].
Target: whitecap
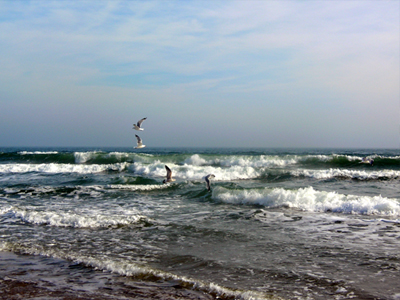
[61,168]
[191,172]
[346,173]
[308,199]
[195,160]
[70,219]
[82,157]
[37,152]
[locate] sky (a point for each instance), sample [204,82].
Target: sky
[205,73]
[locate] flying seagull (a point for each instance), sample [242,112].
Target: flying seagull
[139,142]
[207,179]
[139,123]
[169,175]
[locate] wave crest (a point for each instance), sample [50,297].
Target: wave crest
[61,168]
[308,199]
[67,219]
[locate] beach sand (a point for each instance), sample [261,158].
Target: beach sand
[38,277]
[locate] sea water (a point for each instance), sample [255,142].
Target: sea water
[277,223]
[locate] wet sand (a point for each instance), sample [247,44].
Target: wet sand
[36,277]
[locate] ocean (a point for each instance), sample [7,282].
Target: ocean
[98,223]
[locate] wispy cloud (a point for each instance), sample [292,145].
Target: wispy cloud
[344,52]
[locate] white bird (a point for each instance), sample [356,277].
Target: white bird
[208,182]
[169,175]
[139,123]
[139,142]
[367,160]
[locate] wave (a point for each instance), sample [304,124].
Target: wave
[347,173]
[61,168]
[308,199]
[190,172]
[37,152]
[141,187]
[197,159]
[128,268]
[156,171]
[262,161]
[84,157]
[194,166]
[68,219]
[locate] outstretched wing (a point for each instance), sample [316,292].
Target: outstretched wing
[140,122]
[169,173]
[139,140]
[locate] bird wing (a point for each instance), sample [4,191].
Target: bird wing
[169,172]
[140,122]
[139,140]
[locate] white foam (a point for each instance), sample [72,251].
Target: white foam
[127,268]
[261,161]
[354,174]
[82,157]
[141,187]
[37,152]
[191,172]
[61,168]
[70,219]
[308,199]
[195,160]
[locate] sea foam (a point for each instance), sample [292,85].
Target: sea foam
[69,219]
[195,172]
[308,199]
[61,168]
[346,173]
[37,152]
[128,268]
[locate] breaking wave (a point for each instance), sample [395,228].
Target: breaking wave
[70,219]
[308,199]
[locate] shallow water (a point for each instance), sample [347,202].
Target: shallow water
[290,223]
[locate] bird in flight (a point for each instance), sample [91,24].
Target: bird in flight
[139,142]
[169,175]
[138,125]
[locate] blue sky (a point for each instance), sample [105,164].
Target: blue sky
[204,73]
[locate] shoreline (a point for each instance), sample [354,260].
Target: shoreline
[32,277]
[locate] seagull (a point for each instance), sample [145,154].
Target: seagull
[137,126]
[207,179]
[169,175]
[367,160]
[139,142]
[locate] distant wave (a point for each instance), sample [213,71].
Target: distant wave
[194,166]
[261,161]
[350,174]
[198,159]
[61,168]
[308,199]
[37,152]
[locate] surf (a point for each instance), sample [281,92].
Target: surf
[309,199]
